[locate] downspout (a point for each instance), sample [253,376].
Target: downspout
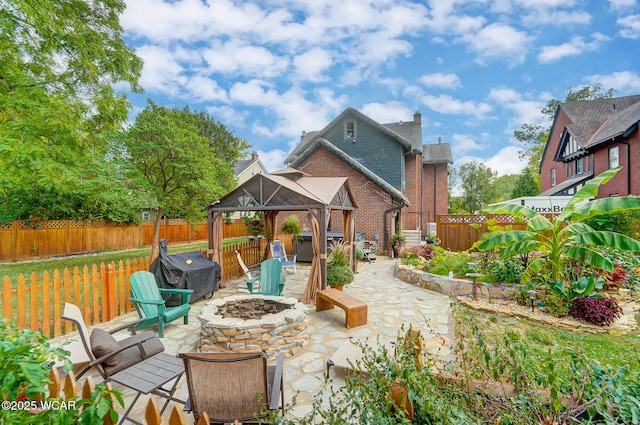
[386,223]
[435,188]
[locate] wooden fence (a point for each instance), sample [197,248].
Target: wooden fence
[101,291]
[21,240]
[458,232]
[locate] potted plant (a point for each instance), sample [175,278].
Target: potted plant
[338,271]
[291,226]
[397,242]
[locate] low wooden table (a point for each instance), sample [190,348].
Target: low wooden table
[355,310]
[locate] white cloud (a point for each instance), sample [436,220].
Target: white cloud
[228,115]
[235,57]
[622,4]
[624,81]
[575,47]
[630,26]
[273,160]
[387,112]
[204,89]
[446,104]
[497,41]
[464,143]
[449,81]
[161,72]
[506,161]
[311,65]
[525,111]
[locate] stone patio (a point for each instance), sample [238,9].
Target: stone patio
[392,303]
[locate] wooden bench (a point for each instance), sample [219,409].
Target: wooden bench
[355,310]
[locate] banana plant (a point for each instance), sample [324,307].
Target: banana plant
[564,237]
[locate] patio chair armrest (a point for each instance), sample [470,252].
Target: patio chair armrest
[130,326]
[141,301]
[276,389]
[186,293]
[250,283]
[175,290]
[138,340]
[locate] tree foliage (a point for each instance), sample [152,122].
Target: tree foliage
[526,185]
[476,183]
[172,164]
[59,63]
[535,136]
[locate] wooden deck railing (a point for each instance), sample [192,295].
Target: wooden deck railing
[101,291]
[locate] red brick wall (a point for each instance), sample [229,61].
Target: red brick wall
[552,147]
[619,185]
[435,191]
[371,199]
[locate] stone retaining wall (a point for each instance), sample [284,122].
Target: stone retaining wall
[452,286]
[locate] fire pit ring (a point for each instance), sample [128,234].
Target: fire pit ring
[253,323]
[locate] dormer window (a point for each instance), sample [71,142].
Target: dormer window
[350,129]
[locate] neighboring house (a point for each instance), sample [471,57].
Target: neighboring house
[398,183]
[588,137]
[244,170]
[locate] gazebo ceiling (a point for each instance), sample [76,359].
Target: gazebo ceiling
[287,189]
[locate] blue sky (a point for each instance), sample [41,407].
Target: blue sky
[476,70]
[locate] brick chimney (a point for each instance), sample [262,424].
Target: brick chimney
[417,118]
[254,156]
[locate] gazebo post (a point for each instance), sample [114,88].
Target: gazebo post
[323,247]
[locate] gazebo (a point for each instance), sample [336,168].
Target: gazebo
[291,190]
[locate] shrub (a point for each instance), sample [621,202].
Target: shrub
[600,311]
[446,261]
[556,305]
[505,271]
[338,275]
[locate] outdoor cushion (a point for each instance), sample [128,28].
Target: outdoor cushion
[132,355]
[102,343]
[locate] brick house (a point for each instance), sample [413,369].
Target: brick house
[588,137]
[398,183]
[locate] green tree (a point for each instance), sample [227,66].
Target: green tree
[228,148]
[172,165]
[476,184]
[504,186]
[526,185]
[565,237]
[59,63]
[535,136]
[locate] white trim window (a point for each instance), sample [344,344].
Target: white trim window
[350,129]
[553,177]
[614,156]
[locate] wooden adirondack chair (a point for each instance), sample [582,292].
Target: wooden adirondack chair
[271,278]
[150,305]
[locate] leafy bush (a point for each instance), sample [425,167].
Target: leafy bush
[446,261]
[507,271]
[556,305]
[26,358]
[338,275]
[583,287]
[600,311]
[418,255]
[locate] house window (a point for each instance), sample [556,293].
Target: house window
[614,160]
[350,129]
[580,165]
[553,177]
[146,215]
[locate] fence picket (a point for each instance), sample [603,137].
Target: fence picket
[22,301]
[57,328]
[46,307]
[34,309]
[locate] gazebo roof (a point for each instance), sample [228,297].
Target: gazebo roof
[287,189]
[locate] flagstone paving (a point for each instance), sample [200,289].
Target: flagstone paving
[392,304]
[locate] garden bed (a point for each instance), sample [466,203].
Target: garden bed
[499,299]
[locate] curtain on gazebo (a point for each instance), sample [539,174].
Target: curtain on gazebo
[216,235]
[315,274]
[349,237]
[270,220]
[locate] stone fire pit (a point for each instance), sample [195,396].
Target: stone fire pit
[252,323]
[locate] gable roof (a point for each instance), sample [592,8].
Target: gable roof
[287,189]
[404,133]
[439,153]
[316,144]
[595,121]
